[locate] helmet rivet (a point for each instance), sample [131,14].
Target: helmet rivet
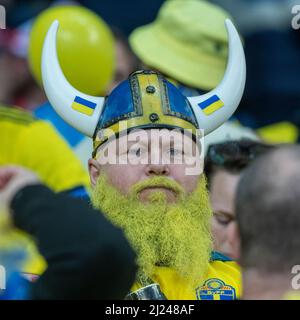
[153,117]
[150,89]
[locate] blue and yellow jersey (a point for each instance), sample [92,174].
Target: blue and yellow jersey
[35,144]
[223,282]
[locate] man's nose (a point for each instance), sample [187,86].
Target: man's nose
[157,170]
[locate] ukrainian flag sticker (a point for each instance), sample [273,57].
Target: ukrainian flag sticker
[83,106]
[211,105]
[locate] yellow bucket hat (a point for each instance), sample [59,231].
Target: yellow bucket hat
[187,42]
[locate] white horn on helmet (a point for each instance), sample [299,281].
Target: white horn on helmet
[215,107]
[80,110]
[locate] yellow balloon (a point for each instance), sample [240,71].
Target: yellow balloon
[85,47]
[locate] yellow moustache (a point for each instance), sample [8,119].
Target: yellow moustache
[157,182]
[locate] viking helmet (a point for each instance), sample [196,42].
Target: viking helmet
[146,99]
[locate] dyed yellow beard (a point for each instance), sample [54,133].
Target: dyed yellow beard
[174,235]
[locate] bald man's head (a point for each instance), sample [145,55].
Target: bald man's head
[268,211]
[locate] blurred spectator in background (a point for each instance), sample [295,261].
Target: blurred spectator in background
[230,130]
[106,269]
[19,11]
[34,144]
[126,61]
[258,15]
[193,55]
[268,224]
[272,48]
[125,15]
[17,85]
[224,164]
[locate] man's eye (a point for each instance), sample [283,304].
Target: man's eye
[135,152]
[175,152]
[223,219]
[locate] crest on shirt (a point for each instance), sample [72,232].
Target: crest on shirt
[30,276]
[215,289]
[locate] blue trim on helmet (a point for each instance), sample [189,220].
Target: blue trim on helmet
[179,103]
[118,104]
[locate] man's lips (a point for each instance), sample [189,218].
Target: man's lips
[158,187]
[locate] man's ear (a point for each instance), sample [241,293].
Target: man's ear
[234,240]
[94,171]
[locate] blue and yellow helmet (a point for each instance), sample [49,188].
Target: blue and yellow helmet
[145,100]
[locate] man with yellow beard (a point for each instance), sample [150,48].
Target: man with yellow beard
[146,175]
[165,215]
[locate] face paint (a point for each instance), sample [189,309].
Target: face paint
[176,235]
